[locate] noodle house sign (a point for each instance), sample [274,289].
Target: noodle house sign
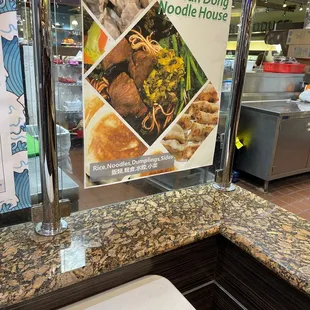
[151,90]
[201,12]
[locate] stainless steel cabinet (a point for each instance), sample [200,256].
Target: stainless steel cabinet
[293,145]
[276,138]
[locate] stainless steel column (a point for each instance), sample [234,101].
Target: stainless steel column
[307,16]
[52,223]
[223,176]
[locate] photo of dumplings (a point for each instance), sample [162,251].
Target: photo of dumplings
[199,132]
[185,121]
[194,126]
[176,133]
[206,118]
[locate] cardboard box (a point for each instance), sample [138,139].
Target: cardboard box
[298,36]
[307,70]
[299,51]
[304,61]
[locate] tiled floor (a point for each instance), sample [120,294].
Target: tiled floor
[291,193]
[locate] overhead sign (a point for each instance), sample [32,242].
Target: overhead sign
[151,88]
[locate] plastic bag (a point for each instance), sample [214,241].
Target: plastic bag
[305,96]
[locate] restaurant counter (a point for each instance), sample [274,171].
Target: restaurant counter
[102,245]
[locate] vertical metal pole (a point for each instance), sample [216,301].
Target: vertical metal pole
[307,16]
[223,176]
[52,223]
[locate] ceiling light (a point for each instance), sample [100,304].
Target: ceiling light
[284,4]
[301,8]
[267,10]
[266,1]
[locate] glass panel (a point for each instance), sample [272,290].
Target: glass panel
[27,62]
[67,39]
[67,34]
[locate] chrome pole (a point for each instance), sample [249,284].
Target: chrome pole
[52,223]
[307,16]
[223,176]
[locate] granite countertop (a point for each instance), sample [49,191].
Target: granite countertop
[103,239]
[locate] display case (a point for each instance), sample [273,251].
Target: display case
[67,48]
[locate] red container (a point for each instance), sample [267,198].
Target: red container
[283,68]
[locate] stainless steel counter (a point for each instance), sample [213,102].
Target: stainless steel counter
[276,138]
[277,107]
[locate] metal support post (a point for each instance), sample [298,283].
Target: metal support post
[52,223]
[223,176]
[307,16]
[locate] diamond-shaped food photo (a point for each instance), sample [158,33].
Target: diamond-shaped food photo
[116,15]
[194,126]
[107,138]
[149,76]
[95,41]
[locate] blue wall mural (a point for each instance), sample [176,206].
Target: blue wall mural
[15,107]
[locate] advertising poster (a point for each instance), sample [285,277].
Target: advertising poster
[14,177]
[151,86]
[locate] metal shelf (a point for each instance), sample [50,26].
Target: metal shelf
[69,84]
[68,66]
[68,112]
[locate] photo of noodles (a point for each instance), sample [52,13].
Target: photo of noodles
[194,126]
[149,76]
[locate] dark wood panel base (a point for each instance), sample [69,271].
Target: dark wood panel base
[212,274]
[253,284]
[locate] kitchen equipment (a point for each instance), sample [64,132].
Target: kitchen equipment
[265,82]
[276,139]
[283,67]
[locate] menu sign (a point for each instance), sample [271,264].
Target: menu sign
[151,88]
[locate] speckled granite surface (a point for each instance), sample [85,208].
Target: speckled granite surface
[103,239]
